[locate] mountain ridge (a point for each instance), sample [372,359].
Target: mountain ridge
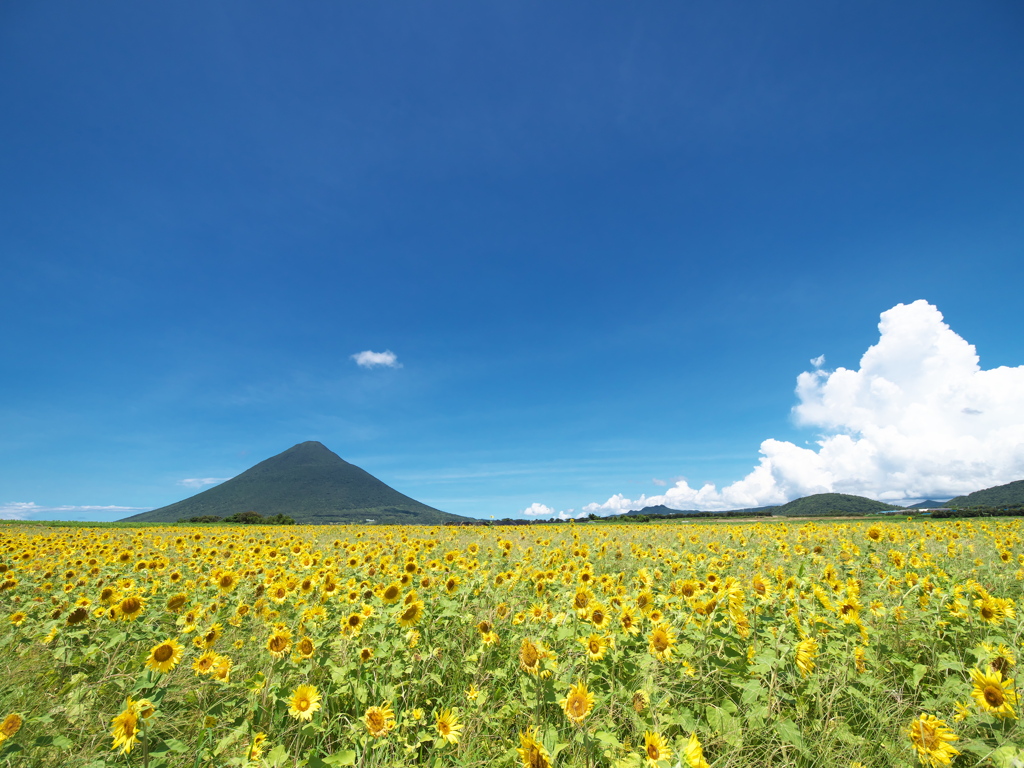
[309,483]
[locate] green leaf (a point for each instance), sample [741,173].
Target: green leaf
[789,732]
[920,670]
[726,726]
[277,756]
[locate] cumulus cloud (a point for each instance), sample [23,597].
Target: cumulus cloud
[368,359]
[919,418]
[542,510]
[539,510]
[29,510]
[818,361]
[200,482]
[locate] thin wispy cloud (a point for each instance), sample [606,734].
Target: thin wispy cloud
[370,359]
[28,510]
[201,482]
[919,419]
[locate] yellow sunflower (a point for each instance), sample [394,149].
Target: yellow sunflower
[578,703]
[596,646]
[257,746]
[411,614]
[448,726]
[532,753]
[125,727]
[280,642]
[304,701]
[655,749]
[806,652]
[694,753]
[305,649]
[379,720]
[993,694]
[204,664]
[165,656]
[931,738]
[130,608]
[10,726]
[661,641]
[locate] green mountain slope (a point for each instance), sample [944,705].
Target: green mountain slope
[1010,494]
[832,503]
[928,504]
[309,483]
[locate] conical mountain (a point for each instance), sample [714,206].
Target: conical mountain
[309,483]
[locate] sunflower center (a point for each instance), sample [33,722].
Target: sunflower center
[163,653]
[929,738]
[376,720]
[994,696]
[302,705]
[653,753]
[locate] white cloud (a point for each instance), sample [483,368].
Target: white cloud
[199,482]
[542,510]
[29,510]
[656,481]
[818,361]
[368,359]
[539,510]
[919,418]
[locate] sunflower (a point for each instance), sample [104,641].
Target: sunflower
[641,700]
[655,749]
[598,615]
[77,616]
[125,727]
[661,641]
[596,646]
[379,720]
[212,635]
[257,746]
[931,738]
[204,664]
[304,702]
[165,656]
[130,608]
[304,649]
[448,726]
[577,703]
[391,593]
[532,752]
[280,642]
[993,694]
[411,615]
[694,753]
[628,621]
[352,624]
[10,726]
[529,656]
[226,582]
[176,602]
[806,651]
[221,669]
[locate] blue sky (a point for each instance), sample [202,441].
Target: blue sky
[602,243]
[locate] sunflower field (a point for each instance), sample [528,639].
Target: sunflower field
[770,643]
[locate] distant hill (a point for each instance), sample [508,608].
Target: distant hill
[310,484]
[1010,494]
[661,509]
[929,504]
[832,503]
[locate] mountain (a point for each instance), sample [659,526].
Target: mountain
[929,504]
[1010,494]
[661,509]
[310,484]
[832,504]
